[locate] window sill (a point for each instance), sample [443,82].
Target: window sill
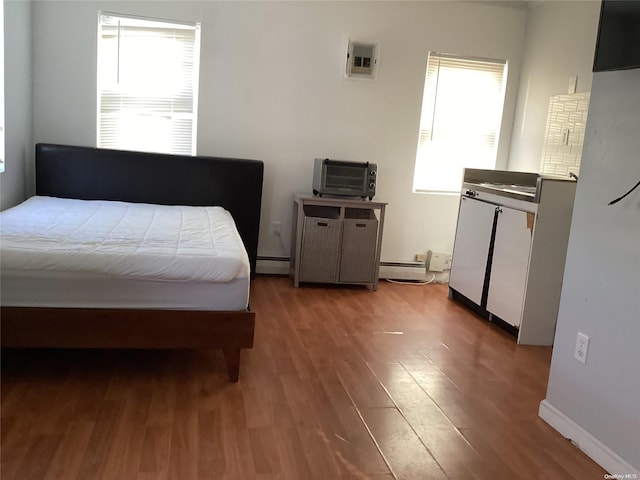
[437,192]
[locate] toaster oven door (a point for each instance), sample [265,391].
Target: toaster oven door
[345,178]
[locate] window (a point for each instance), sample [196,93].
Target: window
[147,84]
[460,122]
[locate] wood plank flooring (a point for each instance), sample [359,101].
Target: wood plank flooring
[342,383]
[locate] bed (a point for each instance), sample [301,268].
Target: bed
[120,291]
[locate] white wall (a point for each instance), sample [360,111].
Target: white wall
[595,404]
[600,295]
[17,177]
[272,88]
[560,43]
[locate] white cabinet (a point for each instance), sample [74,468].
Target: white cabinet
[509,254]
[495,282]
[510,264]
[473,238]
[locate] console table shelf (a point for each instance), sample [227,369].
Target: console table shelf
[336,240]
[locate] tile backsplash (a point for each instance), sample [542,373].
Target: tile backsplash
[564,133]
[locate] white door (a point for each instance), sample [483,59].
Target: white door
[510,264]
[471,248]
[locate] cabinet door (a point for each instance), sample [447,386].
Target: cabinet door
[510,265]
[320,250]
[359,247]
[471,248]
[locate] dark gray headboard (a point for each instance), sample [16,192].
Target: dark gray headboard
[88,173]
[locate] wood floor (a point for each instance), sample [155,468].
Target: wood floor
[342,383]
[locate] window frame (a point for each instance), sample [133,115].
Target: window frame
[449,139]
[109,90]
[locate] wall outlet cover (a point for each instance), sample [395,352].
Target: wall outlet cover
[582,348]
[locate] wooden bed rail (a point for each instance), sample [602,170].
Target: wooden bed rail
[133,328]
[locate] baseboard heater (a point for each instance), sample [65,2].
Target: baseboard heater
[272,265]
[403,271]
[267,265]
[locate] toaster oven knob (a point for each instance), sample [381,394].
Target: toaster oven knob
[372,185]
[372,173]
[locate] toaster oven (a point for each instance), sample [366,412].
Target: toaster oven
[350,179]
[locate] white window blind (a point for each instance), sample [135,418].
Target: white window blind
[147,84]
[460,122]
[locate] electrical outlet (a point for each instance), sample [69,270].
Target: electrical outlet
[582,348]
[275,228]
[421,257]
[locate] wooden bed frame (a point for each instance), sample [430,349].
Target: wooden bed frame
[99,174]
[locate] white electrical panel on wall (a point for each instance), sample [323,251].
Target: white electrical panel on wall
[362,60]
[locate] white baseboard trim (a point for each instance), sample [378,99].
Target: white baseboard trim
[585,441]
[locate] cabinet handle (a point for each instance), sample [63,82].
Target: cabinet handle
[322,224]
[361,225]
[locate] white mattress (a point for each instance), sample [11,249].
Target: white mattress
[76,253]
